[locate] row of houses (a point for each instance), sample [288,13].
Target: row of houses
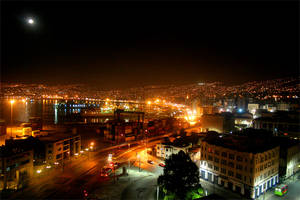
[121,131]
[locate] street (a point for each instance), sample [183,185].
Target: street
[83,174]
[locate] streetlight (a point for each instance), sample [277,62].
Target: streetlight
[92,145]
[11,114]
[139,157]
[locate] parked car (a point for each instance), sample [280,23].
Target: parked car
[150,162]
[161,164]
[106,171]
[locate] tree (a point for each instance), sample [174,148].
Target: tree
[180,177]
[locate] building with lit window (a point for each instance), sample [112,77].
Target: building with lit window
[165,150]
[289,162]
[187,144]
[243,120]
[16,166]
[244,164]
[60,147]
[50,149]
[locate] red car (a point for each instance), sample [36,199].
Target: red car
[162,164]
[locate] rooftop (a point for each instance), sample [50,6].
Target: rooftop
[55,137]
[256,142]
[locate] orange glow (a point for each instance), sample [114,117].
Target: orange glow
[12,101]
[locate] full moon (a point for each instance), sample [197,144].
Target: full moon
[30,21]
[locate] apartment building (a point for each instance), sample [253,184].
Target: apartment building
[16,166]
[59,147]
[248,166]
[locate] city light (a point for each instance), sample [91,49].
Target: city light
[149,112]
[109,159]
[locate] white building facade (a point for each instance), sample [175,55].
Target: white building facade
[247,173]
[165,150]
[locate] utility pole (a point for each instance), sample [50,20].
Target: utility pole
[114,173]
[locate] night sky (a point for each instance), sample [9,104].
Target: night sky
[119,45]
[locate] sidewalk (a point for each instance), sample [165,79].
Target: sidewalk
[215,189]
[270,193]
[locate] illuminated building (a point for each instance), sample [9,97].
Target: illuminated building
[187,144]
[16,166]
[165,150]
[289,162]
[252,107]
[235,163]
[50,149]
[243,120]
[60,146]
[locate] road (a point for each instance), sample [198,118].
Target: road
[293,190]
[82,174]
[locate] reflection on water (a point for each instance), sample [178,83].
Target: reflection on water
[50,111]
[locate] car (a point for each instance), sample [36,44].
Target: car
[150,162]
[161,164]
[106,171]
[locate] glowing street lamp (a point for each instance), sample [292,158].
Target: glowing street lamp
[11,114]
